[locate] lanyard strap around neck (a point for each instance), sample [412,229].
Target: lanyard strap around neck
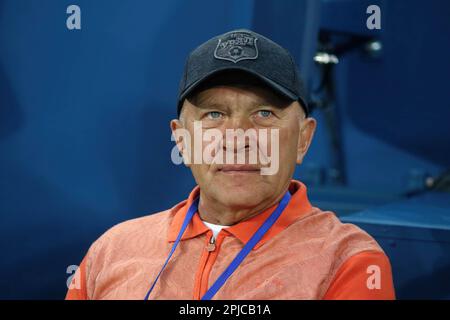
[257,236]
[192,210]
[248,247]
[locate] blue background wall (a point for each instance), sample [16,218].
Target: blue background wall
[84,118]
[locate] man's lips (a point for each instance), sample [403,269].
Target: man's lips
[239,168]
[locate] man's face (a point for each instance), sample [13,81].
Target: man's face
[236,107]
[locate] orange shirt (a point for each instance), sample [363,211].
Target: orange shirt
[307,254]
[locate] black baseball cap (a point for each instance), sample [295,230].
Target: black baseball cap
[246,51]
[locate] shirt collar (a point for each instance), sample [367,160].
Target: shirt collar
[298,207]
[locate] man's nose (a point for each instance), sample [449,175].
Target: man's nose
[235,137]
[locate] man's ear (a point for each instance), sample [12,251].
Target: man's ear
[181,136]
[306,133]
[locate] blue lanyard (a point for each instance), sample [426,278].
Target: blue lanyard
[241,255]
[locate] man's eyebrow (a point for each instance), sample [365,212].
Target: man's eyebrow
[205,102]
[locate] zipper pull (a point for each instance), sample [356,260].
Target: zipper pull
[211,245]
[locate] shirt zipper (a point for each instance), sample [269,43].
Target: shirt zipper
[207,260]
[211,245]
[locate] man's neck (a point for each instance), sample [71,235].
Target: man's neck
[213,211]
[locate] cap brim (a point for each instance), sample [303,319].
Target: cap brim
[272,84]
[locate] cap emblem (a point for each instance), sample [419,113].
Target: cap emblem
[236,46]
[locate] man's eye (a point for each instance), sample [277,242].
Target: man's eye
[265,113]
[214,115]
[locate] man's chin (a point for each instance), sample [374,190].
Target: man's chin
[239,179]
[241,194]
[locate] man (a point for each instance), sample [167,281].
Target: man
[245,232]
